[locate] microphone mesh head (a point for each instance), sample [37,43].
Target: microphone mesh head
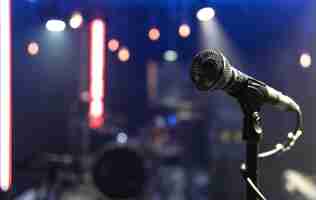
[207,69]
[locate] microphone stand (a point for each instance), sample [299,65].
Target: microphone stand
[252,135]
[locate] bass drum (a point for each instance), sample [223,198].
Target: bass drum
[119,171]
[116,171]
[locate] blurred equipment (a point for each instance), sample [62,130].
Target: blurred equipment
[64,179]
[298,183]
[117,171]
[181,157]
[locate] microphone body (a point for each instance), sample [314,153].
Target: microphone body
[211,70]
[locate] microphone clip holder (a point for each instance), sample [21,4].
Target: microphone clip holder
[252,135]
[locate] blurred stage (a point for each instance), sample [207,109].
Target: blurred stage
[103,106]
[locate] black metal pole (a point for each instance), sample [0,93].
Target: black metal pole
[252,134]
[250,102]
[252,168]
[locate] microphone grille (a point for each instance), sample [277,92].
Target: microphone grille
[207,67]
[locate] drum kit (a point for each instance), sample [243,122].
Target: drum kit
[106,164]
[117,171]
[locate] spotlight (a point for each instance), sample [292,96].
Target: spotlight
[205,14]
[55,25]
[184,30]
[113,45]
[306,60]
[33,48]
[76,20]
[170,56]
[154,34]
[123,54]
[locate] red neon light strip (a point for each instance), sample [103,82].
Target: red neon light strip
[97,70]
[5,96]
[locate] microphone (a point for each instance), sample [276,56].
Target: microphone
[211,70]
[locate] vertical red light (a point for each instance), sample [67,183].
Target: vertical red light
[97,71]
[152,80]
[5,96]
